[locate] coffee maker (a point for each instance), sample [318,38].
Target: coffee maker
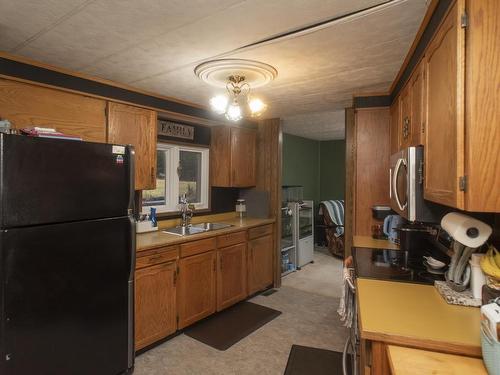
[416,239]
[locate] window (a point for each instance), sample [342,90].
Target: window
[179,170]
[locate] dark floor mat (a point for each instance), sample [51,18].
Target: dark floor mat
[304,360]
[223,330]
[268,292]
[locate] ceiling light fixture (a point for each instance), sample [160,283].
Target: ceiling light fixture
[238,77]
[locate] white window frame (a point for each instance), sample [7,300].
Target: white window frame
[172,157]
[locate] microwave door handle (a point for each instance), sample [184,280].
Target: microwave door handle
[394,184]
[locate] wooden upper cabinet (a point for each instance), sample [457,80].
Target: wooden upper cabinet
[482,121]
[155,303]
[260,263]
[243,148]
[196,288]
[395,130]
[416,87]
[231,275]
[136,126]
[27,105]
[233,159]
[405,130]
[444,136]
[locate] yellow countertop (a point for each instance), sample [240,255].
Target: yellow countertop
[417,362]
[151,240]
[416,315]
[372,243]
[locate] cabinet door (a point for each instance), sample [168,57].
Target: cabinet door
[243,145]
[395,125]
[405,130]
[231,275]
[260,263]
[27,105]
[482,106]
[196,288]
[444,137]
[136,126]
[417,99]
[220,158]
[155,304]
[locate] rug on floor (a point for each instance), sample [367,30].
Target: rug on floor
[304,360]
[223,330]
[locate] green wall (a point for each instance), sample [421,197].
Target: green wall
[301,164]
[332,169]
[318,166]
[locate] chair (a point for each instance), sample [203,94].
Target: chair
[332,212]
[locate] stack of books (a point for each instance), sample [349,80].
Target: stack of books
[48,133]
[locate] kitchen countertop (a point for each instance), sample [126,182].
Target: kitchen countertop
[151,240]
[416,315]
[372,243]
[415,362]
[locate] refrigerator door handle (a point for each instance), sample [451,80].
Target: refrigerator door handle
[131,294]
[131,203]
[131,325]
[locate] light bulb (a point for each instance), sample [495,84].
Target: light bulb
[219,103]
[257,106]
[233,112]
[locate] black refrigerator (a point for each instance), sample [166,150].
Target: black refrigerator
[67,245]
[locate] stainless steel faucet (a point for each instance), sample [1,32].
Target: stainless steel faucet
[187,211]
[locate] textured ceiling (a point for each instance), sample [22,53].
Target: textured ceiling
[321,126]
[155,45]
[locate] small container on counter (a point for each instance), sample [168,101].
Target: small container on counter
[241,208]
[147,223]
[478,278]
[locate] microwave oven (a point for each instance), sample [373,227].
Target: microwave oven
[406,186]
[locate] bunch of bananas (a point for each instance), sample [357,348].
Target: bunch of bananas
[490,264]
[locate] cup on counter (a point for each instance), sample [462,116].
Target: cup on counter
[378,232]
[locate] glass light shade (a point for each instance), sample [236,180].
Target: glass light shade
[233,112]
[256,106]
[219,104]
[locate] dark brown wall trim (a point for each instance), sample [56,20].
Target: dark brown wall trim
[436,18]
[46,76]
[372,101]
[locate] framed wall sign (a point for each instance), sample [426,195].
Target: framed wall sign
[175,130]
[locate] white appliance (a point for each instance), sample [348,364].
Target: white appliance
[288,239]
[406,186]
[304,222]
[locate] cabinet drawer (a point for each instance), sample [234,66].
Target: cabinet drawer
[157,256]
[197,247]
[231,239]
[260,231]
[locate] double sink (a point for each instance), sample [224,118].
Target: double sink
[196,228]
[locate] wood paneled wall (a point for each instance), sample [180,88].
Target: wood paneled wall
[269,151]
[371,166]
[350,157]
[28,105]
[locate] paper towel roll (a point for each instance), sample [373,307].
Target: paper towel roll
[465,229]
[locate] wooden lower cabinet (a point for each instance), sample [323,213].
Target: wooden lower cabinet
[196,288]
[373,358]
[173,291]
[260,263]
[231,275]
[155,303]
